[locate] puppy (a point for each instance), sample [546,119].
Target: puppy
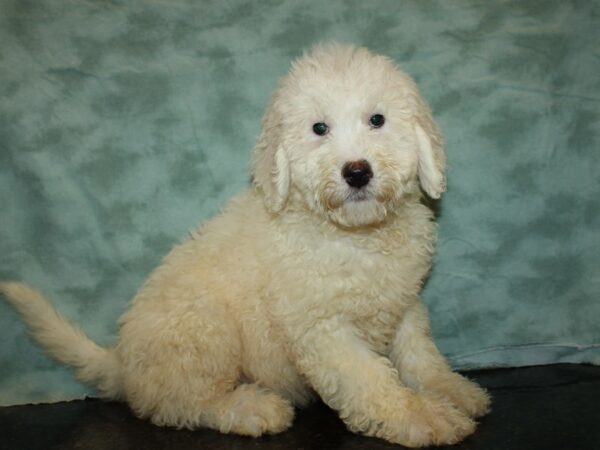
[307,284]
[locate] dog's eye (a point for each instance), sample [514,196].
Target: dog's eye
[320,128]
[377,120]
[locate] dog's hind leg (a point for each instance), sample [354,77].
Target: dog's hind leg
[248,410]
[251,410]
[182,368]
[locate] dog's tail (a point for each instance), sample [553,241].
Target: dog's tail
[64,341]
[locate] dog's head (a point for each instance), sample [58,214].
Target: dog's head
[347,135]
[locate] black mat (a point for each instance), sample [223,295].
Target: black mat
[545,408]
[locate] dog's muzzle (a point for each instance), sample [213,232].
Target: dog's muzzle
[357,173]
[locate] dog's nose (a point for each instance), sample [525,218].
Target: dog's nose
[357,173]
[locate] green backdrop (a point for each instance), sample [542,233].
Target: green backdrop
[124,124]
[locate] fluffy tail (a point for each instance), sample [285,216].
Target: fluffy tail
[64,341]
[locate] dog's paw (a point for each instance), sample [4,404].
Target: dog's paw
[430,420]
[466,395]
[256,412]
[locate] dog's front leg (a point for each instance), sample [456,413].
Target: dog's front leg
[422,367]
[367,393]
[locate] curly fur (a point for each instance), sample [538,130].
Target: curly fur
[302,286]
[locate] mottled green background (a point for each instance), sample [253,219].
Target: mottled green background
[123,124]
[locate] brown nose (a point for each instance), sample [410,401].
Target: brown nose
[357,173]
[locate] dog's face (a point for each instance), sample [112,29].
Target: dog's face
[347,136]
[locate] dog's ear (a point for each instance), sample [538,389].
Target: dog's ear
[270,166]
[430,148]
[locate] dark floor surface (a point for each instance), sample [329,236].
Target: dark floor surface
[545,408]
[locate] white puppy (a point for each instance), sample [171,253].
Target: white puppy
[307,283]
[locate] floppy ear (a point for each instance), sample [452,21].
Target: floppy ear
[430,148]
[270,166]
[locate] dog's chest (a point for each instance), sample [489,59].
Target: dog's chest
[366,282]
[366,269]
